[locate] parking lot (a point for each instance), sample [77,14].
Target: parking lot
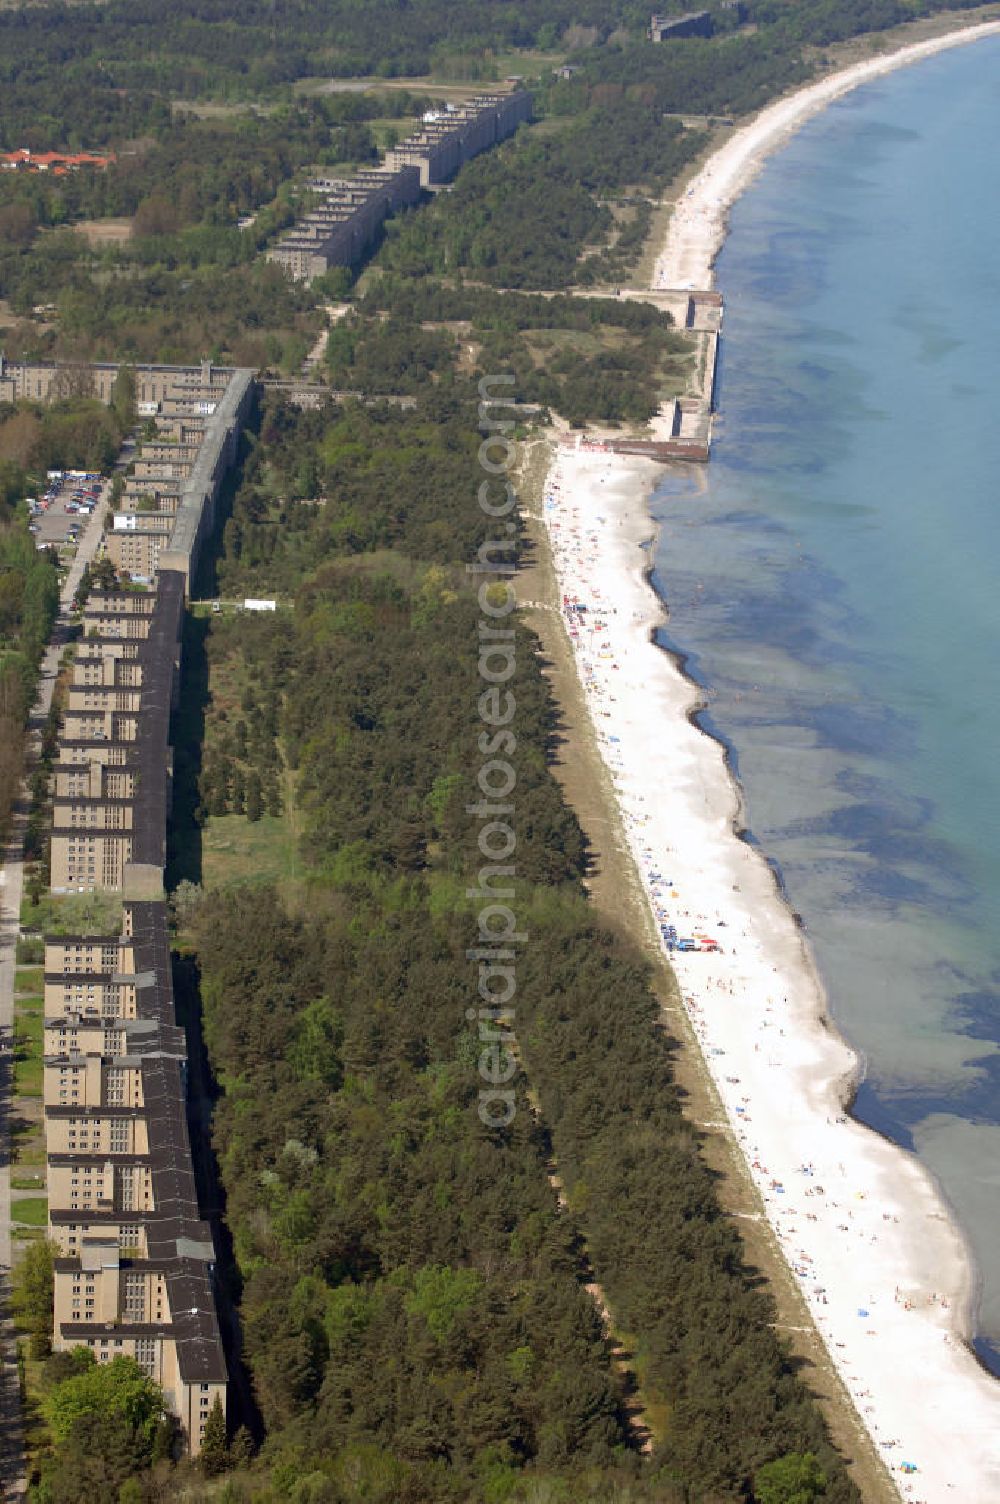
[60,514]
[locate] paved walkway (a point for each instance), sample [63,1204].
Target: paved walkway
[334,313]
[12,1480]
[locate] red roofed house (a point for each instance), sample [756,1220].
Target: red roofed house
[26,160]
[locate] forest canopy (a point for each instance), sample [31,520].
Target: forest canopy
[413,1294]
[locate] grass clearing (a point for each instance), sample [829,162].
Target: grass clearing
[526,63]
[27,1146]
[392,129]
[29,979]
[237,850]
[28,1076]
[33,1211]
[73,914]
[101,232]
[28,1028]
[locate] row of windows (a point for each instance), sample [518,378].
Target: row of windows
[118,1139]
[129,1235]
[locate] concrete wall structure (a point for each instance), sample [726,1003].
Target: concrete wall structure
[134,1273]
[181,471]
[344,224]
[47,381]
[135,1268]
[103,822]
[696,23]
[447,140]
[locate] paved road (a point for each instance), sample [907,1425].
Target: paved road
[12,1481]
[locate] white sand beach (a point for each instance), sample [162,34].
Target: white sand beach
[698,223]
[880,1263]
[863,1227]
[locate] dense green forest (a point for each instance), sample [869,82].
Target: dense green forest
[29,599]
[109,54]
[566,205]
[184,266]
[603,358]
[107,1424]
[410,1288]
[200,48]
[74,430]
[519,217]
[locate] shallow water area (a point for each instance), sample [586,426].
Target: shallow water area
[831,585]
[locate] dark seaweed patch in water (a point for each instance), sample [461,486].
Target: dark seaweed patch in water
[882,828]
[783,618]
[979,1101]
[888,885]
[814,370]
[767,622]
[862,786]
[861,729]
[987,1354]
[687,660]
[892,833]
[705,721]
[980,1011]
[791,268]
[898,1113]
[865,824]
[870,1109]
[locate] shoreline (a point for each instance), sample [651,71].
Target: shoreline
[699,223]
[897,1318]
[695,236]
[882,1267]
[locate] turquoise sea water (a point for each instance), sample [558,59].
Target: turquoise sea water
[833,581]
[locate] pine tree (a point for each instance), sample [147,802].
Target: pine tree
[272,793]
[214,1454]
[255,803]
[32,1295]
[241,1451]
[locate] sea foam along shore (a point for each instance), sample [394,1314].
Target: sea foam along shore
[698,224]
[879,1261]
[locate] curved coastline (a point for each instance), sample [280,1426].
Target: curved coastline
[920,1388]
[965,1304]
[882,1267]
[695,236]
[699,222]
